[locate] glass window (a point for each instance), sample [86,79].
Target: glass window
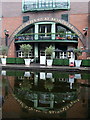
[45,28]
[64,17]
[31,5]
[25,18]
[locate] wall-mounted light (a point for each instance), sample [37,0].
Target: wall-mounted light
[6,32]
[85,31]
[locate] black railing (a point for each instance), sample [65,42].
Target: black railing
[24,38]
[46,36]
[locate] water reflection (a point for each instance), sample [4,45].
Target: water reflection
[52,93]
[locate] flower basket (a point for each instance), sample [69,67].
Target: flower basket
[49,51]
[26,48]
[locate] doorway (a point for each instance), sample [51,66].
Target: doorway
[41,49]
[45,31]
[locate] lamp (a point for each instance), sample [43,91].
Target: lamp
[85,31]
[6,32]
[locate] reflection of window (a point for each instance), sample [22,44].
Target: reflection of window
[64,17]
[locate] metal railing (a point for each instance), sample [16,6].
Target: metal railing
[46,36]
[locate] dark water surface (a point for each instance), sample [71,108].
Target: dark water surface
[45,95]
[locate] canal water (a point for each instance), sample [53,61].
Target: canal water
[38,95]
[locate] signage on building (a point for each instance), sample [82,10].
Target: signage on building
[38,5]
[49,19]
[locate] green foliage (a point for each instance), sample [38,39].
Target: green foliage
[11,60]
[61,62]
[49,84]
[49,50]
[26,48]
[58,32]
[19,60]
[77,52]
[86,63]
[3,50]
[26,85]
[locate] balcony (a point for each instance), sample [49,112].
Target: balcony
[43,37]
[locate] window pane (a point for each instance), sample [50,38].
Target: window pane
[64,17]
[30,5]
[25,18]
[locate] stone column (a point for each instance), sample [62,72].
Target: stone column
[54,52]
[36,51]
[53,31]
[36,31]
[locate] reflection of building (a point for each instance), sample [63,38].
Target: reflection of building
[49,79]
[31,94]
[47,101]
[45,92]
[42,23]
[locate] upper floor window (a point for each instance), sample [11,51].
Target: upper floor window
[64,17]
[25,18]
[36,5]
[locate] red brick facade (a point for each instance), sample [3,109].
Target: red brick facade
[12,18]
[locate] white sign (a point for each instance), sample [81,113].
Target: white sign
[43,60]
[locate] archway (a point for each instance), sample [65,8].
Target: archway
[56,20]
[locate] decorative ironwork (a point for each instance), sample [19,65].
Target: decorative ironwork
[37,5]
[41,36]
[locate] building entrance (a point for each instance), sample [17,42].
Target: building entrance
[41,49]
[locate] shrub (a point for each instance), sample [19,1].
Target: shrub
[26,48]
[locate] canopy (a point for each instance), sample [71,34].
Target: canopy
[57,50]
[70,50]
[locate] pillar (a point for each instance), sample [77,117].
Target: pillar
[53,31]
[54,49]
[36,31]
[36,51]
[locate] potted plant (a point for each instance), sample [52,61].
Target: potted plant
[49,52]
[78,53]
[3,51]
[26,48]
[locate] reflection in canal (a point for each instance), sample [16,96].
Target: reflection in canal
[30,94]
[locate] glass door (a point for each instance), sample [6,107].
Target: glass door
[45,31]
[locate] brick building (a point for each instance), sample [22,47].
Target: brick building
[41,23]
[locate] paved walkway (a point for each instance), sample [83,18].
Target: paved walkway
[37,66]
